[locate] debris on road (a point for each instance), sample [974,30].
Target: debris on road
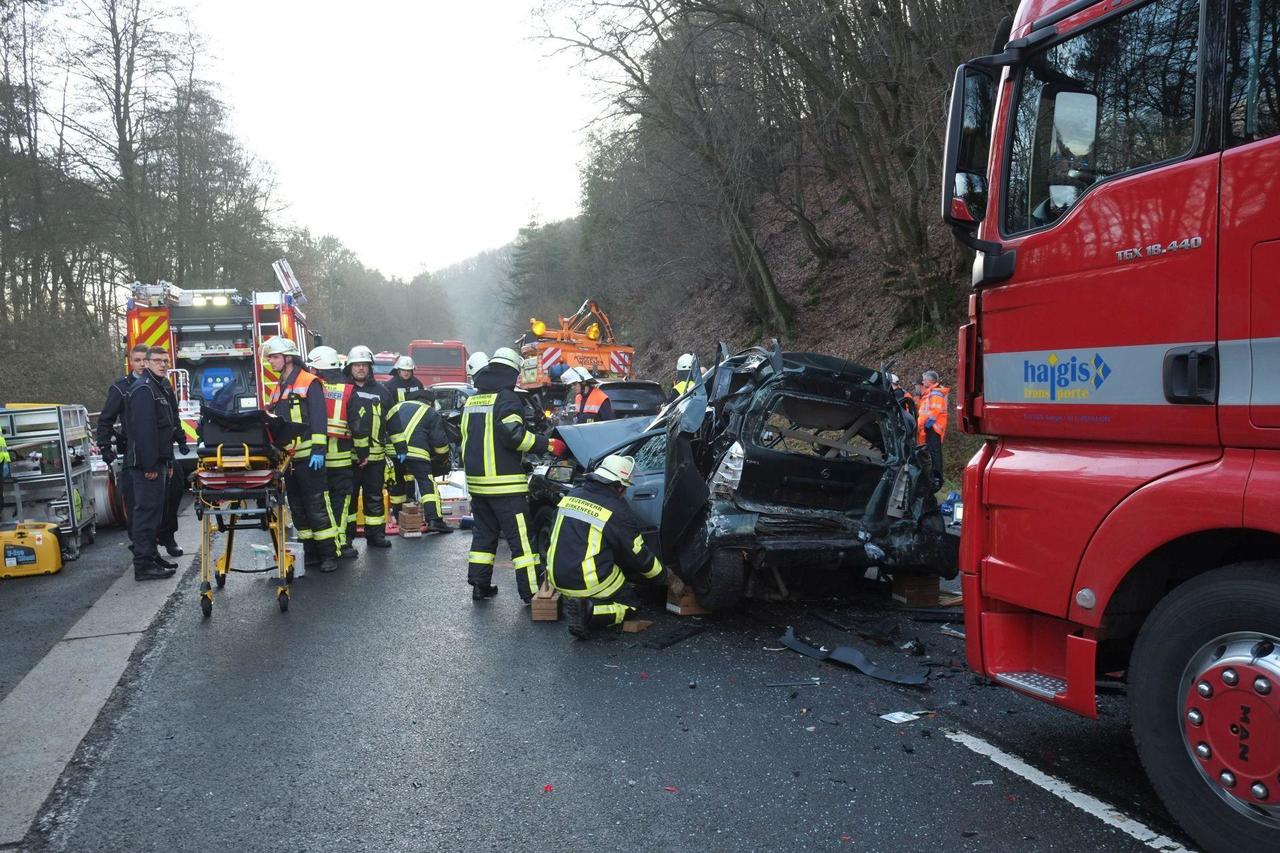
[948,631]
[814,681]
[635,626]
[849,656]
[679,634]
[899,717]
[831,619]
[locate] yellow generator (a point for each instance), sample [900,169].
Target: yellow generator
[30,548]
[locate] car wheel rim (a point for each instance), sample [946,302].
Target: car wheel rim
[1230,721]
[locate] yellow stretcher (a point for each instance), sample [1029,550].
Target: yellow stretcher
[239,485]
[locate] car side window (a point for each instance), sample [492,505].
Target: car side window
[652,454]
[1253,72]
[1117,97]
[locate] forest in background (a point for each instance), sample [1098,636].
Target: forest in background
[117,163]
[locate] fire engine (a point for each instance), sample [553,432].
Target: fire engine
[584,340]
[215,340]
[1116,168]
[438,361]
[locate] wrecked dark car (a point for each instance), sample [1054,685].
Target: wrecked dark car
[775,466]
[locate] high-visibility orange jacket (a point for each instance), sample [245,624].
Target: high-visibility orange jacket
[933,404]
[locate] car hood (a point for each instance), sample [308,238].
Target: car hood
[587,442]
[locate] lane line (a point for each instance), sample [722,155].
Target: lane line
[1109,815]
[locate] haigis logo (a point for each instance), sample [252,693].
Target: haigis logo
[1058,379]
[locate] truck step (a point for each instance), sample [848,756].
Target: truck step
[1036,683]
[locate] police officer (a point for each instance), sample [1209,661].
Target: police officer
[368,478]
[596,545]
[494,441]
[344,423]
[111,424]
[176,486]
[421,443]
[149,424]
[402,381]
[684,375]
[298,400]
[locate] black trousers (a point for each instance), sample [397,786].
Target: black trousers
[933,442]
[428,496]
[174,490]
[308,498]
[339,482]
[146,509]
[366,484]
[125,484]
[506,516]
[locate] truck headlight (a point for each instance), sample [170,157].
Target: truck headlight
[729,474]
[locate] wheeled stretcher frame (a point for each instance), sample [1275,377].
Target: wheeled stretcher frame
[238,489]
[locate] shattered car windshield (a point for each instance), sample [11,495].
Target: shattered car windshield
[826,429]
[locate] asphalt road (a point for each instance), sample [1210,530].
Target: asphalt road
[386,712]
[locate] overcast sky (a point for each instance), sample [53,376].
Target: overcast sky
[419,133]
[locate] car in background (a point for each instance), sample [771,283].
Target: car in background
[775,465]
[634,398]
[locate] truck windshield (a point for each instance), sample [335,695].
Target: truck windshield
[1117,97]
[437,356]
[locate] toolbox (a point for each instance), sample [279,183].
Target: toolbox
[30,548]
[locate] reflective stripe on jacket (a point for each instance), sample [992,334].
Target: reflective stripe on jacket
[417,430]
[596,543]
[376,401]
[933,404]
[299,400]
[4,451]
[494,441]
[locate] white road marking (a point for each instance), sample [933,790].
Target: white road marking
[1107,814]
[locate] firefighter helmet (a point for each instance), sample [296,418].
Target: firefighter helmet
[507,356]
[615,469]
[571,376]
[685,362]
[323,358]
[360,355]
[476,363]
[280,346]
[403,363]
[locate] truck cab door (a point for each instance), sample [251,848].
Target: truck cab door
[1249,253]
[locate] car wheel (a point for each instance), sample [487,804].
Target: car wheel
[1205,705]
[722,582]
[542,522]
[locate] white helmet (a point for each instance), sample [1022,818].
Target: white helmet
[360,355]
[403,363]
[280,346]
[685,362]
[323,358]
[507,356]
[615,469]
[476,363]
[570,376]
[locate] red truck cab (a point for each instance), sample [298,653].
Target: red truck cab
[1116,168]
[438,361]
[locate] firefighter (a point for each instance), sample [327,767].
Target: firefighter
[494,440]
[475,364]
[421,444]
[368,478]
[4,465]
[931,421]
[684,375]
[591,403]
[402,380]
[345,423]
[111,425]
[299,401]
[596,545]
[149,423]
[176,485]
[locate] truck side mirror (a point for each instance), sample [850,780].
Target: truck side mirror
[964,184]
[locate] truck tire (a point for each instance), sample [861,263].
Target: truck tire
[722,582]
[1204,705]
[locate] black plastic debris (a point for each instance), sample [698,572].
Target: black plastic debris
[678,634]
[849,656]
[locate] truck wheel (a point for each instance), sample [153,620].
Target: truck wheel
[1204,705]
[723,580]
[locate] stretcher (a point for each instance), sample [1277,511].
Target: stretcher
[239,485]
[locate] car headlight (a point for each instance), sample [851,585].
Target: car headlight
[729,474]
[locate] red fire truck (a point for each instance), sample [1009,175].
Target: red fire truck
[1116,168]
[215,340]
[438,361]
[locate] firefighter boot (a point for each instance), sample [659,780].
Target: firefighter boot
[577,615]
[438,525]
[377,539]
[479,592]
